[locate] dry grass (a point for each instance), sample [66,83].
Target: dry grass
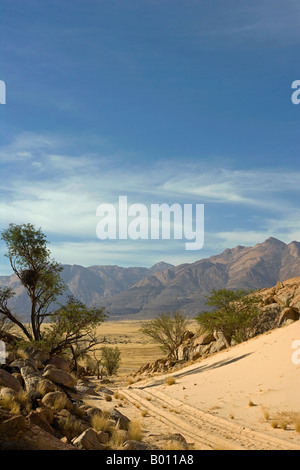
[135,431]
[283,419]
[118,396]
[101,423]
[61,402]
[117,439]
[15,403]
[9,403]
[170,380]
[70,427]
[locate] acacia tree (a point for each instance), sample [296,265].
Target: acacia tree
[30,260]
[40,275]
[234,312]
[168,330]
[73,326]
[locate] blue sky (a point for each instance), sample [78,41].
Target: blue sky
[165,101]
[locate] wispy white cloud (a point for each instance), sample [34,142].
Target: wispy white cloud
[60,192]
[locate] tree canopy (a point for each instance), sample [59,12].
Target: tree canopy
[234,312]
[167,330]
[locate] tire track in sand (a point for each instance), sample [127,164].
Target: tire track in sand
[205,431]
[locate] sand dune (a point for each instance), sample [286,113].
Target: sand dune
[223,400]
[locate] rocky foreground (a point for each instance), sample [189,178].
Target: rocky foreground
[42,407]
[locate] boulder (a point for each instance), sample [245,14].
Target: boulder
[85,390]
[11,427]
[31,378]
[288,313]
[217,346]
[17,433]
[137,445]
[57,400]
[122,422]
[88,440]
[6,391]
[39,355]
[183,351]
[39,418]
[59,377]
[103,437]
[204,338]
[295,303]
[92,411]
[8,380]
[60,363]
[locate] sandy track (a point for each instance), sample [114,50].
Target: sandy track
[205,431]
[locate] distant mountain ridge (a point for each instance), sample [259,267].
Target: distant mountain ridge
[91,285]
[186,286]
[144,292]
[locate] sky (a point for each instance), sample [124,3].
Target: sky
[161,101]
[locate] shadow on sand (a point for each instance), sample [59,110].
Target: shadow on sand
[198,370]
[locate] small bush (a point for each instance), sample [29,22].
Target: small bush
[266,415]
[283,425]
[70,427]
[101,423]
[9,403]
[111,359]
[135,432]
[60,403]
[117,439]
[170,380]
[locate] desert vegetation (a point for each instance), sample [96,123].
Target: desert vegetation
[234,313]
[167,330]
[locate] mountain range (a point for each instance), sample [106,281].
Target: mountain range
[144,292]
